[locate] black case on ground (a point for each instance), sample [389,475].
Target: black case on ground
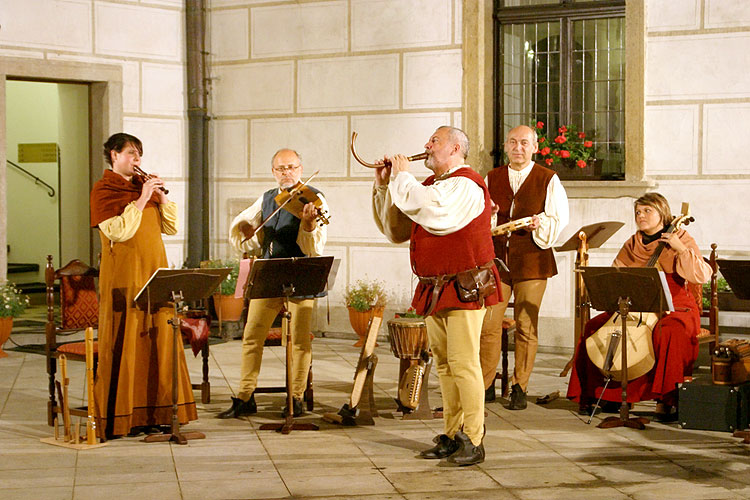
[710,407]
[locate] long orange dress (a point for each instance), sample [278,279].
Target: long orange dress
[134,377]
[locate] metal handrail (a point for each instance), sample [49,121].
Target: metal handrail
[37,180]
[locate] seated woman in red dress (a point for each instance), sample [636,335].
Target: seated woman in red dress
[674,337]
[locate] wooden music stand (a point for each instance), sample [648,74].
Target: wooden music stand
[176,286]
[626,290]
[292,277]
[737,274]
[583,240]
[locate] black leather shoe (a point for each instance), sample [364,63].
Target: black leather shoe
[468,453]
[444,447]
[240,408]
[489,394]
[297,409]
[517,398]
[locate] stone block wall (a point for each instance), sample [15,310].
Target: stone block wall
[305,75]
[146,39]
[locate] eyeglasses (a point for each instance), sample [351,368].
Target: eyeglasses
[288,168]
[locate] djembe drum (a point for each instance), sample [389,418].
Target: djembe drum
[408,339]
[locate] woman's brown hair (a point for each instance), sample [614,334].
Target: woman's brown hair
[659,203]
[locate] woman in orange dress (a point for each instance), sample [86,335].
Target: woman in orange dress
[133,386]
[674,336]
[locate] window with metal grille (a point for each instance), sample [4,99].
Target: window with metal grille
[562,62]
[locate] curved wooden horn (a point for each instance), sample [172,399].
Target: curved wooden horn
[420,156]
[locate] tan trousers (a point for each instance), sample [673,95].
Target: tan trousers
[454,340]
[260,316]
[527,298]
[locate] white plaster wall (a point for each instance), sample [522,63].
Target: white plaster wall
[147,40]
[305,75]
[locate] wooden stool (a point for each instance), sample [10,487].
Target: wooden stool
[509,328]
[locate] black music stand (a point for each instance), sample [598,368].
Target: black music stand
[737,274]
[626,290]
[292,277]
[583,240]
[175,286]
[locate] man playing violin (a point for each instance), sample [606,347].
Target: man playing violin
[522,189]
[446,218]
[282,236]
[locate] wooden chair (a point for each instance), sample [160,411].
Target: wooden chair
[79,309]
[710,335]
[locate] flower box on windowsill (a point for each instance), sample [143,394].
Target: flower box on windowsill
[567,169]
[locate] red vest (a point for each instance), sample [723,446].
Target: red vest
[522,256]
[464,249]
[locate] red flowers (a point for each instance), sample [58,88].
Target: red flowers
[568,148]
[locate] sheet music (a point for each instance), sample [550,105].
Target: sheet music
[145,285]
[667,294]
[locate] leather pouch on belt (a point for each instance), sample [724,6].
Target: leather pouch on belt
[475,284]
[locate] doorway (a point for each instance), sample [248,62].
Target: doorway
[47,176]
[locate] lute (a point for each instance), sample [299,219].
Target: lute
[604,347]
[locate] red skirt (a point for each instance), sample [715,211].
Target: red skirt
[675,348]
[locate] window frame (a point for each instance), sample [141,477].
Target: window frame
[566,13]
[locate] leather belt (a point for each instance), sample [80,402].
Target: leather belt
[437,282]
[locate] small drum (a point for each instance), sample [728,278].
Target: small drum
[408,337]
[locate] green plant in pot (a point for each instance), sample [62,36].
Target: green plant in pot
[364,299]
[228,308]
[12,304]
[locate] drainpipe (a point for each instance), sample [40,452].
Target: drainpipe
[197,193]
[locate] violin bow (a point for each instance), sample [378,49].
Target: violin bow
[291,196]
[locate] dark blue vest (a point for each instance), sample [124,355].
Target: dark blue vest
[280,233]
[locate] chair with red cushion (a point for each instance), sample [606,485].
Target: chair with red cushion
[79,309]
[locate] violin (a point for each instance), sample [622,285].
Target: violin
[293,200]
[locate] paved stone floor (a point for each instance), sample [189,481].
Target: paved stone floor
[544,452]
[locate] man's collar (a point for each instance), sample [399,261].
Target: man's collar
[524,170]
[448,172]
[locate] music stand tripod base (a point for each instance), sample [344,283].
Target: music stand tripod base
[177,286]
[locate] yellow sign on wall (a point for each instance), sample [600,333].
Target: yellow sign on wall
[42,152]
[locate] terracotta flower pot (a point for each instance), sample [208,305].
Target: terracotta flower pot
[6,325]
[360,320]
[228,308]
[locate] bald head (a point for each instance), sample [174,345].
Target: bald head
[520,145]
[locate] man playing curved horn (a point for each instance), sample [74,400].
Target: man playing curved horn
[446,218]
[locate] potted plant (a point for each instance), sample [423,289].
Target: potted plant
[364,299]
[568,152]
[727,300]
[12,304]
[228,308]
